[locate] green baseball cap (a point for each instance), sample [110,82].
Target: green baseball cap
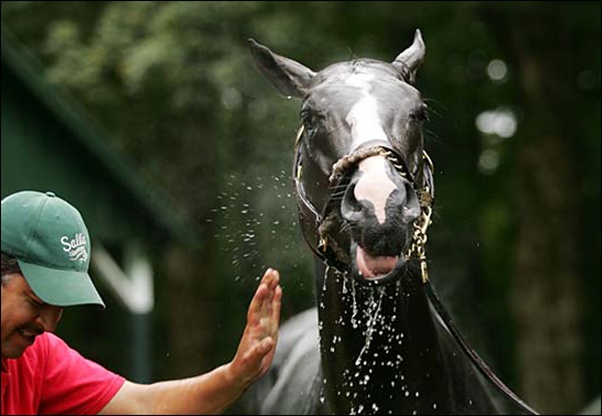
[50,241]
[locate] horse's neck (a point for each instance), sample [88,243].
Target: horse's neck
[378,347]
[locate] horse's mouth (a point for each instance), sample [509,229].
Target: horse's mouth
[375,269]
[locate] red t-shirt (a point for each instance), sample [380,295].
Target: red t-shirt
[52,378]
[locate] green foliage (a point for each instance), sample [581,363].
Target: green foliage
[174,84]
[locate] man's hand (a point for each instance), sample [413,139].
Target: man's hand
[214,391]
[258,343]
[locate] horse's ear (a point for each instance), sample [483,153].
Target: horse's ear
[289,77]
[409,60]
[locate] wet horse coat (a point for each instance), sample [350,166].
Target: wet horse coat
[374,343]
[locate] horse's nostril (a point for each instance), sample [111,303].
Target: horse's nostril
[411,206]
[350,206]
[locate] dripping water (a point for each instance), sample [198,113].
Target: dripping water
[371,321]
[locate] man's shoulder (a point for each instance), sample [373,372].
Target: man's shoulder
[41,351]
[49,339]
[45,343]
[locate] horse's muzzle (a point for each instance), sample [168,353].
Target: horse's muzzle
[379,208]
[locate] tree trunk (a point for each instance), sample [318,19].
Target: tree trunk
[545,292]
[546,298]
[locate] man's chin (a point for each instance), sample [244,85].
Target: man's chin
[15,347]
[13,353]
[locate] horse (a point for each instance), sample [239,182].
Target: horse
[378,340]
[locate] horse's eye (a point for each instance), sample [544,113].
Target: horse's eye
[306,117]
[310,119]
[420,113]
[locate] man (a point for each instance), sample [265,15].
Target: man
[45,260]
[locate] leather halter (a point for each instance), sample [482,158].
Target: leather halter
[313,221]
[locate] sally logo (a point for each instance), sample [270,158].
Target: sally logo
[76,247]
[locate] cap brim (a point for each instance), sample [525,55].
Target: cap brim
[61,287]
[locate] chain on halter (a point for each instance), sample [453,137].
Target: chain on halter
[421,224]
[419,238]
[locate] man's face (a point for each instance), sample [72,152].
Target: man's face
[24,316]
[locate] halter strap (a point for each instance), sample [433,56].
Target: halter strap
[314,223]
[310,218]
[472,354]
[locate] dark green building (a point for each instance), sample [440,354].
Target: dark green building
[50,144]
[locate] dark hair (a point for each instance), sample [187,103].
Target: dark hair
[9,265]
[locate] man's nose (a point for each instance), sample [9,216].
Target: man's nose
[50,316]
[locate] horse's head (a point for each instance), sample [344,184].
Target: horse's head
[363,180]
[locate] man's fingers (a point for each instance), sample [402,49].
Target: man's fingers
[256,348]
[257,303]
[266,345]
[273,278]
[263,295]
[276,305]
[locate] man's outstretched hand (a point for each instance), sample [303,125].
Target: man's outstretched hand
[213,392]
[258,343]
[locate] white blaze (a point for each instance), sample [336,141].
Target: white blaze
[374,185]
[363,116]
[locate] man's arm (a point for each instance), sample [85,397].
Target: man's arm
[214,391]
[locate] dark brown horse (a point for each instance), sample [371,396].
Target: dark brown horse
[378,341]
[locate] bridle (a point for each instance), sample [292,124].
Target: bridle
[317,224]
[320,222]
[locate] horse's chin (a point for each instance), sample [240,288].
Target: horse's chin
[376,270]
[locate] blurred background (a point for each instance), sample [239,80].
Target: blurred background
[152,119]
